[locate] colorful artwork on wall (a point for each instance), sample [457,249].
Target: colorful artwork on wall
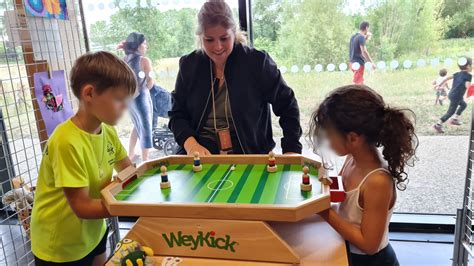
[51,94]
[47,8]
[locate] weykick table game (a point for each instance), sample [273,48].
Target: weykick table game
[218,206]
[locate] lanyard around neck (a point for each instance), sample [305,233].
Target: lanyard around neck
[213,80]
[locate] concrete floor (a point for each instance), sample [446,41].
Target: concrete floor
[412,252]
[423,253]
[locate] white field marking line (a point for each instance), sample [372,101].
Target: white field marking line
[227,174]
[209,185]
[287,187]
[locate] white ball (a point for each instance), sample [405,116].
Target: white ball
[462,61]
[355,66]
[307,68]
[434,62]
[381,65]
[331,67]
[394,64]
[318,68]
[407,64]
[368,66]
[448,61]
[420,63]
[342,66]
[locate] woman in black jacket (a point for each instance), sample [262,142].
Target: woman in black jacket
[221,103]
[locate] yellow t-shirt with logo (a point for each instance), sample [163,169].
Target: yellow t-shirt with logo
[71,158]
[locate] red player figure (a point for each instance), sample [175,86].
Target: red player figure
[271,162]
[305,184]
[271,167]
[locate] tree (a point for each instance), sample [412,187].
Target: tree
[169,33]
[403,26]
[458,16]
[267,20]
[99,35]
[314,31]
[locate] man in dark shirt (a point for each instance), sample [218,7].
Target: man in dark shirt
[461,82]
[358,52]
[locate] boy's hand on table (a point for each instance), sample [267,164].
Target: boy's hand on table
[83,205]
[120,165]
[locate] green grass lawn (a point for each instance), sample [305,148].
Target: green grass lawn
[401,88]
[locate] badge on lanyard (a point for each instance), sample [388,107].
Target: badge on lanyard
[224,140]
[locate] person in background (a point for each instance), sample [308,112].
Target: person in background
[441,92]
[379,141]
[224,90]
[358,52]
[67,225]
[457,105]
[141,108]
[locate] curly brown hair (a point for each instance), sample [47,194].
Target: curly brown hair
[359,109]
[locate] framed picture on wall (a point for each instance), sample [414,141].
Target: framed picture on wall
[51,94]
[47,8]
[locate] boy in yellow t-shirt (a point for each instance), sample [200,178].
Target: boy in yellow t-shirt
[67,225]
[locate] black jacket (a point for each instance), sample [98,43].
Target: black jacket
[254,82]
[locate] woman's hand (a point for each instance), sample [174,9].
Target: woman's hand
[191,146]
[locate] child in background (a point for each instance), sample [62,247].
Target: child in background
[461,81]
[441,91]
[356,122]
[67,225]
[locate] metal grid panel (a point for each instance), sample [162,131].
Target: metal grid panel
[464,242]
[30,44]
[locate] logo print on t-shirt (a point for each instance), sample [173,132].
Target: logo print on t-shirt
[110,148]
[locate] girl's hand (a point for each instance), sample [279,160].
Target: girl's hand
[324,214]
[191,146]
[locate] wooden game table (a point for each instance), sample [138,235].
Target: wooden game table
[233,212]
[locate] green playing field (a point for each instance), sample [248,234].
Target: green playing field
[217,183]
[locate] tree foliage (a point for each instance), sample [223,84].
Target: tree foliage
[458,16]
[314,31]
[301,31]
[169,33]
[403,26]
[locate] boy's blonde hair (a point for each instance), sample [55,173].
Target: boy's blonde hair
[104,71]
